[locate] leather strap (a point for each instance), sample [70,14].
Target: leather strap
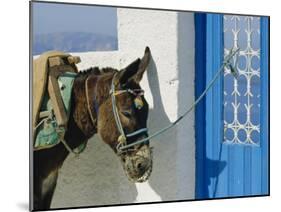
[57,102]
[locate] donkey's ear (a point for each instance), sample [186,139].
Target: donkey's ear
[135,70]
[128,72]
[143,65]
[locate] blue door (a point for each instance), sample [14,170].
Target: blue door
[232,121]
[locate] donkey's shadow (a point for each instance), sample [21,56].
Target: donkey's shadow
[163,179]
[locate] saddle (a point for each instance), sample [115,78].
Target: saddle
[53,76]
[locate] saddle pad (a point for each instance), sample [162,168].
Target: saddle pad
[48,135]
[40,78]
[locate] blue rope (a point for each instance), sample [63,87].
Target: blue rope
[226,63]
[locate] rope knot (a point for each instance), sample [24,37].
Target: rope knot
[122,139]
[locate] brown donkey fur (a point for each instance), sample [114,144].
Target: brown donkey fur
[137,163]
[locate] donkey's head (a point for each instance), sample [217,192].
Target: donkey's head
[122,119]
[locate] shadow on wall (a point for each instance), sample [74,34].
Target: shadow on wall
[163,177]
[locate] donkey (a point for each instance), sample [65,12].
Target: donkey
[92,111]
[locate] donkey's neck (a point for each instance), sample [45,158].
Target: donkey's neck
[81,125]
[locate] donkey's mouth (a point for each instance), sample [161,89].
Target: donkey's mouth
[138,167]
[146,175]
[138,177]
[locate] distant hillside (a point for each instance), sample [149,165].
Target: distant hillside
[73,42]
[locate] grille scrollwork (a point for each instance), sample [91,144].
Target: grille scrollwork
[242,95]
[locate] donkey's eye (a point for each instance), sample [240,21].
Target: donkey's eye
[127,113]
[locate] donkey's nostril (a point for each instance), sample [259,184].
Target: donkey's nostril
[139,165]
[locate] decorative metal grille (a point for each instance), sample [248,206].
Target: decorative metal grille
[242,95]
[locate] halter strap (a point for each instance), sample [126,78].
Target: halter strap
[136,92]
[115,111]
[122,140]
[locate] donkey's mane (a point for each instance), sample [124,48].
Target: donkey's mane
[84,74]
[95,71]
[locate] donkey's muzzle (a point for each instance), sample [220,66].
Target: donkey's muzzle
[138,164]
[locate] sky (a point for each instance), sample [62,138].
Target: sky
[52,17]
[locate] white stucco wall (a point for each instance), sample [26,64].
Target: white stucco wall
[97,177]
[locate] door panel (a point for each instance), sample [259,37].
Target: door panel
[234,159]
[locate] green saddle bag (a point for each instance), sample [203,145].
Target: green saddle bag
[48,132]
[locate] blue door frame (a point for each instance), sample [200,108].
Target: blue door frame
[218,166]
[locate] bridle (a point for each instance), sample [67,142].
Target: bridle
[123,137]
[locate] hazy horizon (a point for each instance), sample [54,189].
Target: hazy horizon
[73,28]
[55,17]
